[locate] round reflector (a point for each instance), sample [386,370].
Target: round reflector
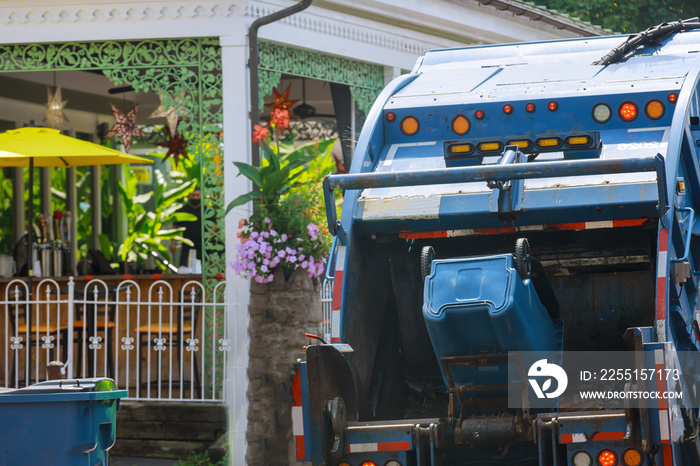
[632,457]
[628,111]
[390,116]
[553,106]
[530,107]
[673,97]
[507,109]
[654,109]
[581,458]
[479,114]
[602,113]
[460,125]
[409,126]
[392,463]
[607,458]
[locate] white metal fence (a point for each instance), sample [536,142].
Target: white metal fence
[159,343]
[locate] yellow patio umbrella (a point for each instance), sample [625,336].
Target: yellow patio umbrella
[45,147]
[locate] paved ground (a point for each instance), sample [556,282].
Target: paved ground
[124,461]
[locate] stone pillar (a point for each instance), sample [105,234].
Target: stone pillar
[280,313]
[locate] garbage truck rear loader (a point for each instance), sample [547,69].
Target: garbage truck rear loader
[514,198]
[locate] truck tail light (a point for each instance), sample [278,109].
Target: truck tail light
[530,107]
[581,458]
[369,463]
[632,457]
[390,117]
[553,106]
[479,114]
[654,109]
[673,97]
[628,111]
[607,458]
[602,113]
[410,126]
[507,109]
[460,125]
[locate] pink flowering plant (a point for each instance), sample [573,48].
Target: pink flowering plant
[287,227]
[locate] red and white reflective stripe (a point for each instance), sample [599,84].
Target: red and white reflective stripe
[337,294]
[494,231]
[573,438]
[298,417]
[611,436]
[661,274]
[381,446]
[664,427]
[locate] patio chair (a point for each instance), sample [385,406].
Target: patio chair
[22,323]
[188,310]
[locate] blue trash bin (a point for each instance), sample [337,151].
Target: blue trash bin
[59,422]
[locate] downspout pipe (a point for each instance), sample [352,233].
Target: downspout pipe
[253,62]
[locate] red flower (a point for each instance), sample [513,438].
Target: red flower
[260,133]
[280,119]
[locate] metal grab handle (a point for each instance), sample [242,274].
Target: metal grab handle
[688,235]
[488,173]
[330,275]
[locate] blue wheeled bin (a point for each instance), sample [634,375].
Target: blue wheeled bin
[59,422]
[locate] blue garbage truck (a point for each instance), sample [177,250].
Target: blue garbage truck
[514,198]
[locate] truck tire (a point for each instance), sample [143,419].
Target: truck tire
[523,260]
[427,255]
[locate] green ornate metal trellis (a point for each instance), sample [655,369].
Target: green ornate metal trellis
[365,80]
[165,66]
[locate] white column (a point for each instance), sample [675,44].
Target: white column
[391,72]
[237,148]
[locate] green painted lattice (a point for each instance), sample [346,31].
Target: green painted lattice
[169,66]
[365,80]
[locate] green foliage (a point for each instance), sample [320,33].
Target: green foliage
[626,16]
[147,230]
[202,459]
[281,170]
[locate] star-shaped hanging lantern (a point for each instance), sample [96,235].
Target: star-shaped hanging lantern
[281,100]
[176,145]
[173,113]
[54,115]
[125,126]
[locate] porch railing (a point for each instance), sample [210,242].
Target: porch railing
[158,342]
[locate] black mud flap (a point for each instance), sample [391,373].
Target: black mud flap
[330,378]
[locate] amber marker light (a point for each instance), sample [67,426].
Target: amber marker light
[492,146]
[548,143]
[530,107]
[507,109]
[632,457]
[553,106]
[673,97]
[409,126]
[573,141]
[628,111]
[460,149]
[522,144]
[479,114]
[391,117]
[460,125]
[607,458]
[654,109]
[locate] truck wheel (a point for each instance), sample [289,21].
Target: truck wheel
[427,255]
[523,261]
